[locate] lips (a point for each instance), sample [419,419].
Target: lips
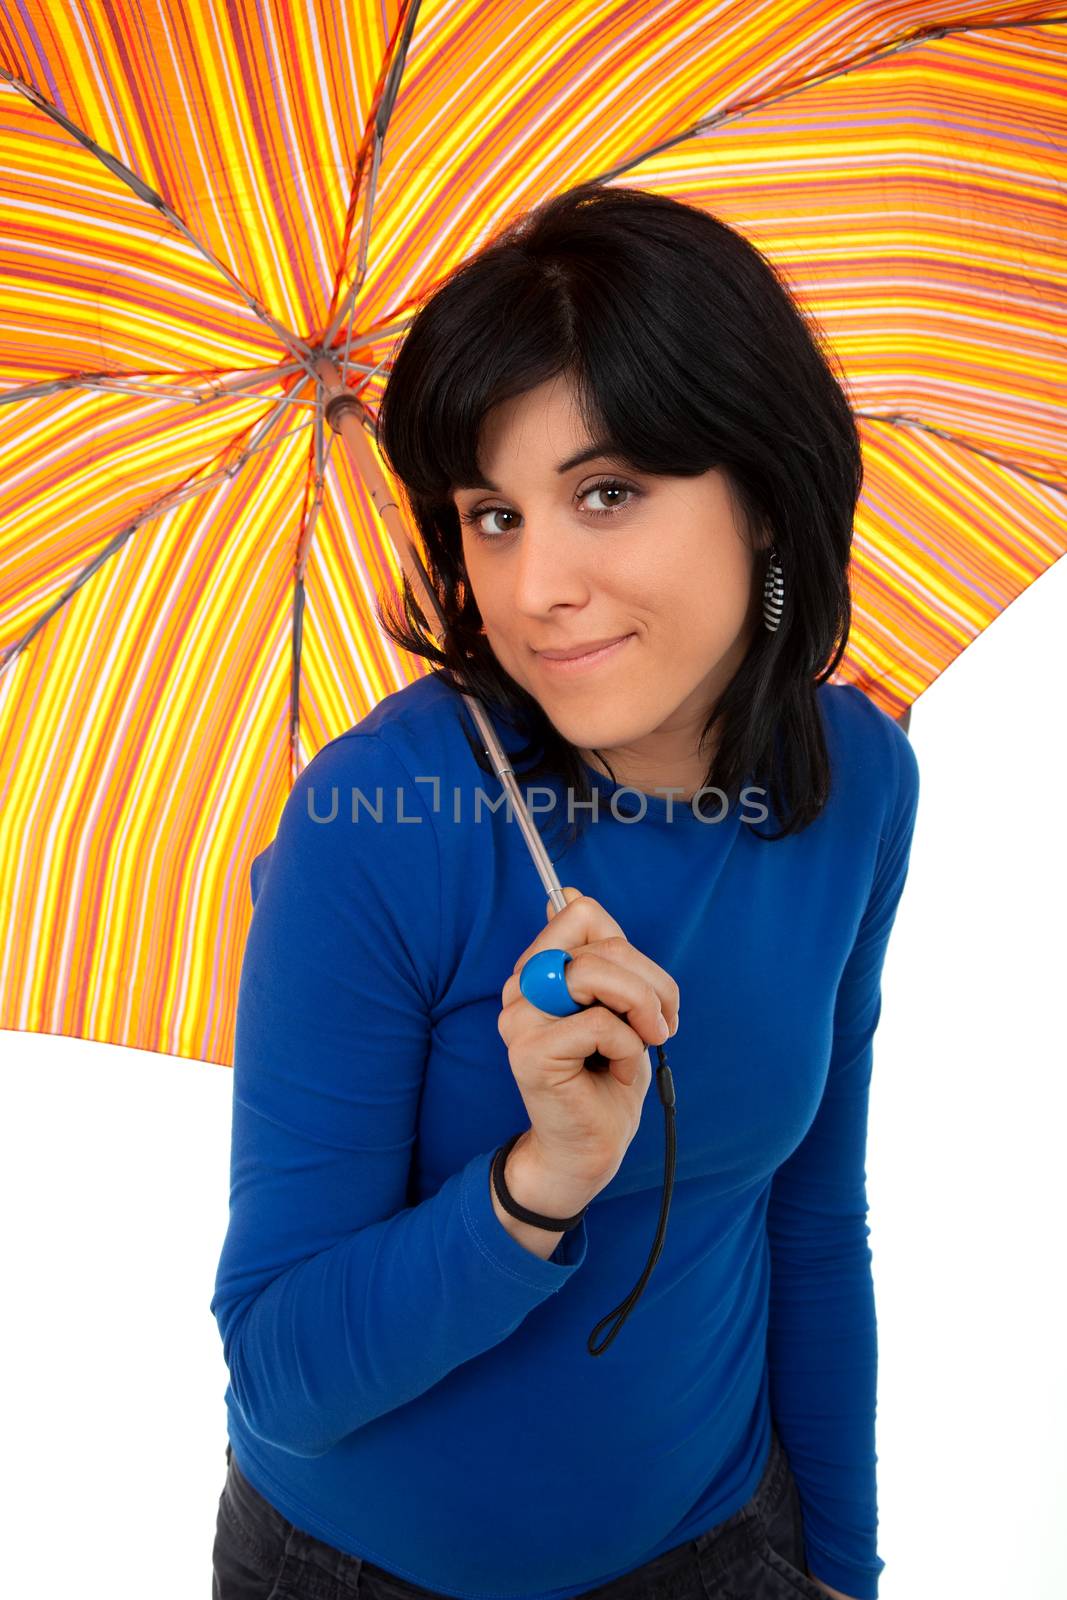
[577,650]
[586,665]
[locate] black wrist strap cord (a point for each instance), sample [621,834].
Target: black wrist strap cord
[665,1089]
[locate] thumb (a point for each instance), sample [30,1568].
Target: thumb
[568,895]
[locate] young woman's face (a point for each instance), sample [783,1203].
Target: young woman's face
[668,568]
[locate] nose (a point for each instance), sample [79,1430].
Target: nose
[551,569]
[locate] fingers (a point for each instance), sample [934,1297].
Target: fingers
[619,979]
[569,895]
[588,921]
[637,987]
[615,974]
[536,1041]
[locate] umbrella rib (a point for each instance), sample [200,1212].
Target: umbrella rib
[164,502]
[295,345]
[899,420]
[364,242]
[383,112]
[321,457]
[216,389]
[735,113]
[319,460]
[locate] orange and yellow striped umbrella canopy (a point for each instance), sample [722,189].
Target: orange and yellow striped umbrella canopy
[199,198]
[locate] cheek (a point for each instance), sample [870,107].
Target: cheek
[703,614]
[480,588]
[700,627]
[717,599]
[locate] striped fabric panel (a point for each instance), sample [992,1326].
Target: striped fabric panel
[905,176]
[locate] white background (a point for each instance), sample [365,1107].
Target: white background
[116,1168]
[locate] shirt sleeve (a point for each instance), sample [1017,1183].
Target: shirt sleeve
[336,1300]
[822,1334]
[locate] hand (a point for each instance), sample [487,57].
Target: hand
[583,1122]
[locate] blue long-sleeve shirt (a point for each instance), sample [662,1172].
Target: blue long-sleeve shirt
[407,1381]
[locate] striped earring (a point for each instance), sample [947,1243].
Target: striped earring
[773,593]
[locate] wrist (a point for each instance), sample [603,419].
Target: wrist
[536,1184]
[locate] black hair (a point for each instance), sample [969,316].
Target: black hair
[687,351]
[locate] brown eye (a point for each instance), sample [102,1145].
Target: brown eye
[609,487]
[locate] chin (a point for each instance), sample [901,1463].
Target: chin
[587,734]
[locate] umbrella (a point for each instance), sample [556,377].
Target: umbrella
[217,222]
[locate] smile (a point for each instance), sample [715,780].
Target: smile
[586,662]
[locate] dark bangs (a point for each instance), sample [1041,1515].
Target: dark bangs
[686,352]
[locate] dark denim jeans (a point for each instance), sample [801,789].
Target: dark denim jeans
[757,1554]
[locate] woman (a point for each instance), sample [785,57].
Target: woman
[613,423]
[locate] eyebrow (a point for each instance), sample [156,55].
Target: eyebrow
[602,447]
